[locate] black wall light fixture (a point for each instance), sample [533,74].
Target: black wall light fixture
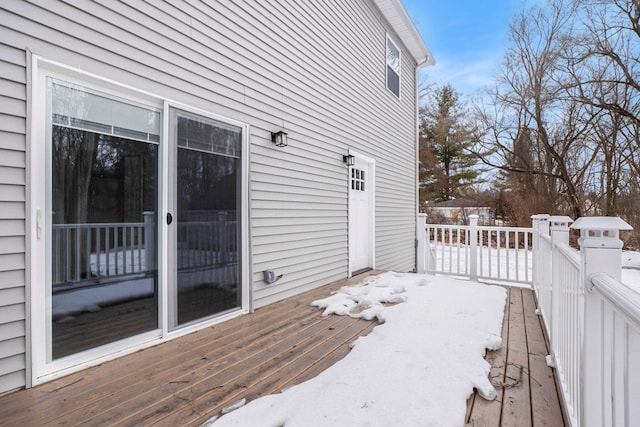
[349,159]
[279,138]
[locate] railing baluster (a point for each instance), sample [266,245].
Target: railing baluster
[450,249]
[113,231]
[87,236]
[517,253]
[77,254]
[98,254]
[467,253]
[441,249]
[132,249]
[526,257]
[458,251]
[106,248]
[67,252]
[498,252]
[507,246]
[139,240]
[481,248]
[124,246]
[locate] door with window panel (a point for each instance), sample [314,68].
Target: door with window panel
[361,215]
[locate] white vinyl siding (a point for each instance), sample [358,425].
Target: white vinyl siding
[12,217]
[313,69]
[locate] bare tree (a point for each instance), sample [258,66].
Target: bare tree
[534,130]
[604,58]
[603,62]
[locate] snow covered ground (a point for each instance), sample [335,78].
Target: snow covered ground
[500,264]
[415,369]
[631,269]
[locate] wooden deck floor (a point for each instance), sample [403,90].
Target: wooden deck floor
[190,379]
[527,394]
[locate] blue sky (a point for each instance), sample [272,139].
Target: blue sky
[466,37]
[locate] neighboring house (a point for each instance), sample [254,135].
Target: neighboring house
[168,165]
[457,211]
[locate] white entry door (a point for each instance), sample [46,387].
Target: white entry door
[361,215]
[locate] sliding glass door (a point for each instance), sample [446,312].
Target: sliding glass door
[103,203]
[205,216]
[144,222]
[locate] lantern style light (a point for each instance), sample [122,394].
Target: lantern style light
[349,159]
[279,138]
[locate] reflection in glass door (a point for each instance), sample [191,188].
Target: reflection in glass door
[102,201]
[205,213]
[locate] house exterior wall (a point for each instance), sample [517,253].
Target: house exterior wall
[12,216]
[314,69]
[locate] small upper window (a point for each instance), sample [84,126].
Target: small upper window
[393,67]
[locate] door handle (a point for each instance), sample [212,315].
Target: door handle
[38,224]
[169,218]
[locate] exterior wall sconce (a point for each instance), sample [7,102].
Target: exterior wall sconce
[279,138]
[349,159]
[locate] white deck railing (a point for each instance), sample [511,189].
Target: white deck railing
[591,318]
[593,323]
[478,252]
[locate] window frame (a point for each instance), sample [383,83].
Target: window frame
[391,42]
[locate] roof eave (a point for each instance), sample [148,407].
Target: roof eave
[397,16]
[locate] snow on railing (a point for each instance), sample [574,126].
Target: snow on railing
[478,252]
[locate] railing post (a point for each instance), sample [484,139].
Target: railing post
[473,246]
[422,241]
[600,252]
[149,240]
[559,226]
[536,225]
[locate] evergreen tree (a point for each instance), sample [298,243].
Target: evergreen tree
[447,167]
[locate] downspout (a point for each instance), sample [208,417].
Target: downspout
[421,64]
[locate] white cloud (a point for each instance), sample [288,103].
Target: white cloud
[465,75]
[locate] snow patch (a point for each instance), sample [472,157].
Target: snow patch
[239,404]
[631,259]
[416,369]
[366,300]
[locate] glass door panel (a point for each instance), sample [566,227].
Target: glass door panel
[103,200]
[207,207]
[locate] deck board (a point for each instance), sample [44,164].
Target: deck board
[527,394]
[545,407]
[192,378]
[189,379]
[516,408]
[488,413]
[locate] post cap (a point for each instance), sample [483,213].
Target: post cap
[599,227]
[601,223]
[541,216]
[560,220]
